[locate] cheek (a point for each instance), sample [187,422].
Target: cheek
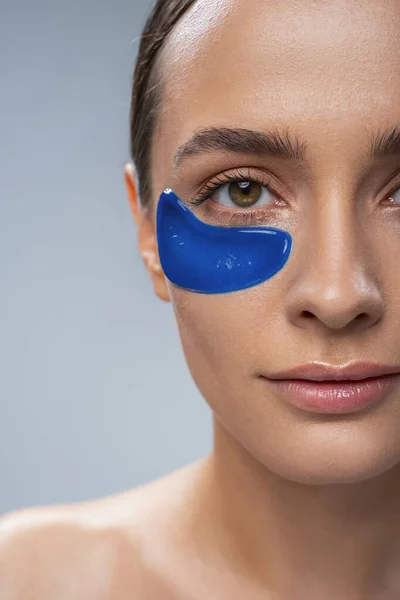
[227,340]
[223,336]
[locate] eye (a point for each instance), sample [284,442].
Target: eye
[243,194]
[394,198]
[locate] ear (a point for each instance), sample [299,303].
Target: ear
[147,238]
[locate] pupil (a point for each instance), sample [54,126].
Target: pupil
[245,186]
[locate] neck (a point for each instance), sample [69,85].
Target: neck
[303,541]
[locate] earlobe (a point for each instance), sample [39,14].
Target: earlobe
[147,239]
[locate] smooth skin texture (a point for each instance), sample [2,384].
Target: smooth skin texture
[288,505]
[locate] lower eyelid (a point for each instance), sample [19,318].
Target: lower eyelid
[238,216]
[241,219]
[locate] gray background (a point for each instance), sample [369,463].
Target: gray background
[95,394]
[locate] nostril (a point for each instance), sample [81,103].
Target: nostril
[307,314]
[362,317]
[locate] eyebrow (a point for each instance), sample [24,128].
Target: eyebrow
[385,143]
[273,143]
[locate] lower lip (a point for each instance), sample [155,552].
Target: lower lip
[334,396]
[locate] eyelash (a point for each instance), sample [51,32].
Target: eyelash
[248,215]
[221,180]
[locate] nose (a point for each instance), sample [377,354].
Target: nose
[336,285]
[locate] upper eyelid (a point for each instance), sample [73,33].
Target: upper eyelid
[271,181]
[218,181]
[240,175]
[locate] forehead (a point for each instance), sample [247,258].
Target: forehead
[330,65]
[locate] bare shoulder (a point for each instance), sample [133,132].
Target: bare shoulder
[107,548]
[47,550]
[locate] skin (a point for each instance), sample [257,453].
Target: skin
[288,505]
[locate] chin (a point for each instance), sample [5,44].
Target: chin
[333,457]
[318,451]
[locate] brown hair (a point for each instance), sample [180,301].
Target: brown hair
[145,95]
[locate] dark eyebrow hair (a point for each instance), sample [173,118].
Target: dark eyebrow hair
[385,143]
[280,145]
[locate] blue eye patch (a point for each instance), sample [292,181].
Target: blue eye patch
[209,259]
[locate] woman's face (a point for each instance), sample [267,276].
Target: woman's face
[326,75]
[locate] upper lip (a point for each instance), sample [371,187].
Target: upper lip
[325,372]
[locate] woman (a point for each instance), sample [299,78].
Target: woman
[263,121]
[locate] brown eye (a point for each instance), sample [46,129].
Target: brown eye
[394,198]
[245,193]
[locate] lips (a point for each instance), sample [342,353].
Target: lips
[325,372]
[323,388]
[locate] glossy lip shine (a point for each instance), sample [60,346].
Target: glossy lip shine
[335,391]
